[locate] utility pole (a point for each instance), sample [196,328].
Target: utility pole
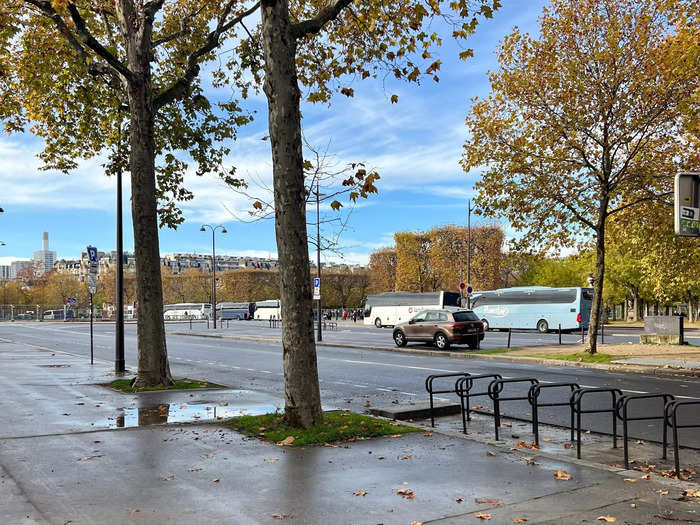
[319,335]
[469,254]
[119,362]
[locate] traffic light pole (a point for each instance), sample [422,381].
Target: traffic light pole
[119,362]
[469,254]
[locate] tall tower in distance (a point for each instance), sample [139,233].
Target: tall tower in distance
[45,258]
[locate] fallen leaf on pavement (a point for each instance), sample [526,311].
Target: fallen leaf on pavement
[530,461]
[286,441]
[216,480]
[416,523]
[631,480]
[487,501]
[606,519]
[272,460]
[406,493]
[280,516]
[459,500]
[568,445]
[520,520]
[88,458]
[405,457]
[196,469]
[688,493]
[663,492]
[562,475]
[646,476]
[368,404]
[360,493]
[483,516]
[134,511]
[532,445]
[169,478]
[427,434]
[478,407]
[396,435]
[381,457]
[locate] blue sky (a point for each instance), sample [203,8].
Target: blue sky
[415,145]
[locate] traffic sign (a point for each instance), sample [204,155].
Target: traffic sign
[92,283]
[317,288]
[462,286]
[71,300]
[92,254]
[469,289]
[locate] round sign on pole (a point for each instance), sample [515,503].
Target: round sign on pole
[462,286]
[469,289]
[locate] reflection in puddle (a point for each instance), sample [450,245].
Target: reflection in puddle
[182,413]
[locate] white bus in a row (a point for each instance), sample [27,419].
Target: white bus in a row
[529,307]
[264,310]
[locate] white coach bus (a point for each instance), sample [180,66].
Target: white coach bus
[391,308]
[180,311]
[267,310]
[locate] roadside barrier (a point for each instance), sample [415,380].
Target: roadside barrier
[429,387]
[463,388]
[533,397]
[577,399]
[671,419]
[621,409]
[496,387]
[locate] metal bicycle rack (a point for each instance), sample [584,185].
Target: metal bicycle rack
[463,388]
[671,419]
[621,410]
[429,387]
[533,396]
[495,389]
[576,399]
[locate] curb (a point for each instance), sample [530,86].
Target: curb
[637,369]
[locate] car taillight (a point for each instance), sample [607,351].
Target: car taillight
[578,318]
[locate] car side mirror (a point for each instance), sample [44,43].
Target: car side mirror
[411,321]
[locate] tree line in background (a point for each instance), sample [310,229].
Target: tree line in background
[342,288]
[437,259]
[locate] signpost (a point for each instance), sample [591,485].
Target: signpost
[687,204]
[92,286]
[317,288]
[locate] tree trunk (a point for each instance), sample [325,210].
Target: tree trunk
[302,393]
[153,367]
[596,309]
[635,305]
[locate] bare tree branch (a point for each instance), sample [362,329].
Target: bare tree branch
[315,24]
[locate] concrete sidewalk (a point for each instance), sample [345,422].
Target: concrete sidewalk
[72,451]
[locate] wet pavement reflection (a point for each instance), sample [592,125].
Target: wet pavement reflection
[182,413]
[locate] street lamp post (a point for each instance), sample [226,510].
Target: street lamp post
[213,264]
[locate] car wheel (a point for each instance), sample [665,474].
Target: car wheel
[378,322]
[473,342]
[542,326]
[441,341]
[486,325]
[400,338]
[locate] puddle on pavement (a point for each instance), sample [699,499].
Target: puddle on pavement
[181,413]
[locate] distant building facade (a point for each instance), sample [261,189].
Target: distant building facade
[44,259]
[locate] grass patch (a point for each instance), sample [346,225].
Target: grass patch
[580,357]
[124,385]
[336,426]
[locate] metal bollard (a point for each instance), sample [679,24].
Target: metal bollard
[207,323]
[602,333]
[559,334]
[190,323]
[582,336]
[509,332]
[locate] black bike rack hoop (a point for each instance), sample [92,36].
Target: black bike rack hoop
[533,397]
[495,389]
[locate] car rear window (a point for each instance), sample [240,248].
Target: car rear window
[465,316]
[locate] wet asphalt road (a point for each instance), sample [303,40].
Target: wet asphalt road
[351,377]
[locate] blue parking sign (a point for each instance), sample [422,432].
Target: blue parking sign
[92,254]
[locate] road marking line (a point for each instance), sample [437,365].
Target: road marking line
[408,393]
[384,389]
[398,366]
[266,372]
[361,386]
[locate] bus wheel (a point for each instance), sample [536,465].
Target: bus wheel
[441,341]
[486,325]
[378,322]
[542,326]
